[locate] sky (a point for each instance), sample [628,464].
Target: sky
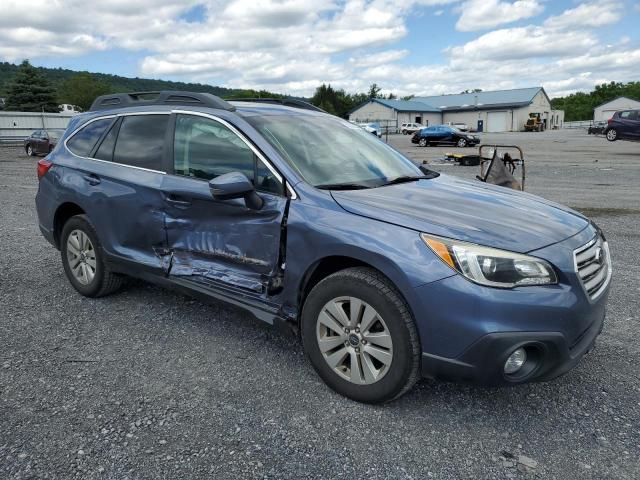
[419,47]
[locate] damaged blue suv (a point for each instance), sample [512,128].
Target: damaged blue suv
[387,271]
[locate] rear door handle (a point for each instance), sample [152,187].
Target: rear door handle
[92,179]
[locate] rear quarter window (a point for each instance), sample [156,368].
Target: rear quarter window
[84,140]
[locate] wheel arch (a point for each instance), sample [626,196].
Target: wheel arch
[63,213]
[329,265]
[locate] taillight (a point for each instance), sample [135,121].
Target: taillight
[43,167]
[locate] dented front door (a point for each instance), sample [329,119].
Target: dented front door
[221,243]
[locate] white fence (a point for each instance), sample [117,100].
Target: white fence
[578,124]
[14,126]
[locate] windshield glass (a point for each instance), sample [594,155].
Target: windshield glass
[55,134]
[326,150]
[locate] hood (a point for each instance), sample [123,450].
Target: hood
[471,211]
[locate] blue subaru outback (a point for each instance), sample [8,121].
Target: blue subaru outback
[387,271]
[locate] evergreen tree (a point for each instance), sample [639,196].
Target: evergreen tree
[30,91]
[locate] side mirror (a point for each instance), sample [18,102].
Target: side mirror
[235,185]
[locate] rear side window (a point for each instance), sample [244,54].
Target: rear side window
[141,141]
[105,150]
[83,141]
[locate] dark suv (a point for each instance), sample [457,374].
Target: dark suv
[387,271]
[624,125]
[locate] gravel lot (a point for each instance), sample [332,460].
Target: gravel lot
[150,384]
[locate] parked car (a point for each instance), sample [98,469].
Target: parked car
[624,125]
[463,127]
[444,134]
[372,127]
[407,128]
[42,141]
[388,272]
[597,128]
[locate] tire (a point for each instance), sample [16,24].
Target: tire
[30,151]
[389,319]
[404,132]
[612,134]
[462,142]
[104,281]
[423,142]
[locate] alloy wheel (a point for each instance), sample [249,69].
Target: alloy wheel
[354,340]
[612,134]
[462,142]
[423,142]
[81,257]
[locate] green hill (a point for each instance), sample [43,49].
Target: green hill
[57,77]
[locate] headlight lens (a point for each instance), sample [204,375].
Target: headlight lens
[490,266]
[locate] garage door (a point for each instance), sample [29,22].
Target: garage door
[497,122]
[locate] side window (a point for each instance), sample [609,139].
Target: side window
[83,141]
[105,150]
[626,115]
[140,141]
[205,149]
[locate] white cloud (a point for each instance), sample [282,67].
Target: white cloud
[292,46]
[484,14]
[587,15]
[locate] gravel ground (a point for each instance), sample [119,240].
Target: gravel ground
[151,384]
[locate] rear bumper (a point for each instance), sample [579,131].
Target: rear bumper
[549,355]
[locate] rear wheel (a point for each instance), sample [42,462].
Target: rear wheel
[360,336]
[612,134]
[423,142]
[404,132]
[83,259]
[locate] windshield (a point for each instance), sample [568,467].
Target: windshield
[56,134]
[326,150]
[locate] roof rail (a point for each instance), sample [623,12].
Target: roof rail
[288,102]
[164,97]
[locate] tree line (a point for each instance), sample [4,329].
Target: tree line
[580,105]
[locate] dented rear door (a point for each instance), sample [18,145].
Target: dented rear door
[221,243]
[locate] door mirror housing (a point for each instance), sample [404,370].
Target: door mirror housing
[235,185]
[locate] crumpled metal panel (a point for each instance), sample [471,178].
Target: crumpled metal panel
[184,264]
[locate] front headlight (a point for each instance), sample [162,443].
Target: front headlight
[490,266]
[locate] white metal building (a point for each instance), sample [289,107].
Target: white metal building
[604,112]
[495,111]
[396,112]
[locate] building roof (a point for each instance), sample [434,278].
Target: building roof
[406,105]
[516,97]
[617,98]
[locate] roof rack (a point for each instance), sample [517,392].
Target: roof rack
[288,102]
[164,97]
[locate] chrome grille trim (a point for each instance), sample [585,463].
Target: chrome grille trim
[592,263]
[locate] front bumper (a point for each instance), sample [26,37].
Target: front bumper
[549,355]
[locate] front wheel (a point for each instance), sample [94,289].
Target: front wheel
[612,134]
[30,151]
[462,143]
[360,336]
[83,259]
[423,142]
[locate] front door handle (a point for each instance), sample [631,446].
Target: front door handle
[92,179]
[177,201]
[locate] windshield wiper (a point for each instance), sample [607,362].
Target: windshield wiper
[405,179]
[342,186]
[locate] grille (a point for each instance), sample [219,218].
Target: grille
[593,264]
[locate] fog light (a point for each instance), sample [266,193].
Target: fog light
[515,361]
